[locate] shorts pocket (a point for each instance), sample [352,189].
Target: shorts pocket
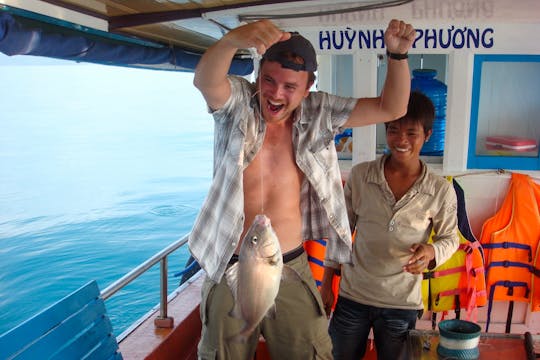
[322,349]
[316,295]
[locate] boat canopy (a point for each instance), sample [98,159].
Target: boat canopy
[19,36]
[159,34]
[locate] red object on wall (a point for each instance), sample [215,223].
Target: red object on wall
[514,143]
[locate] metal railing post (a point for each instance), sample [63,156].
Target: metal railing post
[163,321]
[163,286]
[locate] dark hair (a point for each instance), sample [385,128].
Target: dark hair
[297,59]
[419,110]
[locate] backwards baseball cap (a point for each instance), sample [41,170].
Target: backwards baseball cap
[297,45]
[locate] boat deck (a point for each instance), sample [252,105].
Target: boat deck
[423,345]
[180,342]
[147,341]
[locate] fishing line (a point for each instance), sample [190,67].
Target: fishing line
[257,60]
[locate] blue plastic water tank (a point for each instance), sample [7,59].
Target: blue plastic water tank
[424,81]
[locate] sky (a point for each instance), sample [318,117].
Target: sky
[22,60]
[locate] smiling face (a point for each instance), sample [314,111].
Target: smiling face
[405,138]
[281,91]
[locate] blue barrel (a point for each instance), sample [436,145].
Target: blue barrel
[424,81]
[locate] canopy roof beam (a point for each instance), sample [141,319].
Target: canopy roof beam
[123,21]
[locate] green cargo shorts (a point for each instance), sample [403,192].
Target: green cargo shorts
[299,330]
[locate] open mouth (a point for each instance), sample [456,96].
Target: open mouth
[401,149]
[274,107]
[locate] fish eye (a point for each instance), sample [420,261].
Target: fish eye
[254,240]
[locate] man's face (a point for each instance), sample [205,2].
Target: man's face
[405,138]
[281,91]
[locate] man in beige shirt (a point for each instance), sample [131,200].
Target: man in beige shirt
[393,203]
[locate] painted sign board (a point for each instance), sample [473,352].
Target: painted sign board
[443,26]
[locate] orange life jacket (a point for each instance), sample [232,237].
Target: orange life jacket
[459,282]
[510,239]
[315,250]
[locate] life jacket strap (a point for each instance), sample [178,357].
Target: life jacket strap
[469,246]
[510,245]
[535,271]
[507,264]
[436,274]
[508,284]
[315,260]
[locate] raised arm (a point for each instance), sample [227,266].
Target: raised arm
[392,103]
[211,72]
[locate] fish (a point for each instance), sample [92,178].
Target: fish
[255,278]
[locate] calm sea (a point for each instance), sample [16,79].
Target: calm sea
[100,168]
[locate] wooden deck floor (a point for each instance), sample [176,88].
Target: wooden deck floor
[180,342]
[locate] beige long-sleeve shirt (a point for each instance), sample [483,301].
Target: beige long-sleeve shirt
[386,229]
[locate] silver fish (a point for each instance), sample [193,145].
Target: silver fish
[254,280]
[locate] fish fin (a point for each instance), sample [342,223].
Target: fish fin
[289,274]
[231,276]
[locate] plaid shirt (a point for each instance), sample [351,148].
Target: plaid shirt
[239,134]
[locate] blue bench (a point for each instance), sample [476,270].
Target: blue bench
[75,327]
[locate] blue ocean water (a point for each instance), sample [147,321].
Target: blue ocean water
[100,168]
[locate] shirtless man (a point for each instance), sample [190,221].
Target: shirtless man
[278,158]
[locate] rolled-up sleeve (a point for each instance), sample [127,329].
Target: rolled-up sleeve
[445,226]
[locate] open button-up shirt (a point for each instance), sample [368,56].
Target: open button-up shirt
[239,134]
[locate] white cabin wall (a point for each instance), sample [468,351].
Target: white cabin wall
[364,85]
[483,201]
[458,111]
[515,25]
[324,73]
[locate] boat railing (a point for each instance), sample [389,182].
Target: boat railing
[162,320]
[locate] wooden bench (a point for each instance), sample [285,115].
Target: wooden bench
[75,327]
